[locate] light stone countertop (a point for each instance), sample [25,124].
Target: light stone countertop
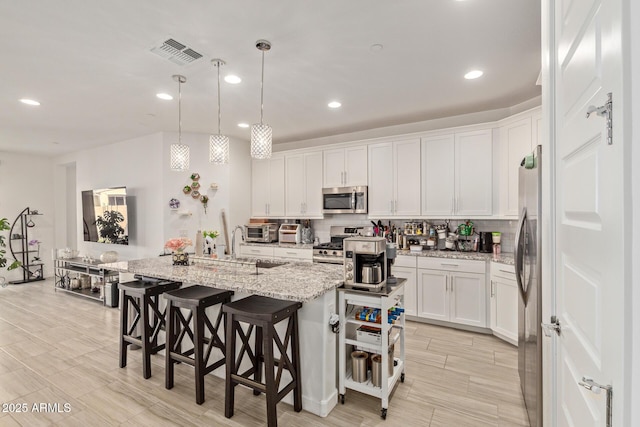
[479,256]
[294,281]
[280,245]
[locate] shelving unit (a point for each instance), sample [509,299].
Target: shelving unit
[32,269]
[390,296]
[66,269]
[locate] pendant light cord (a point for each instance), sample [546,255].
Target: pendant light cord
[219,131]
[179,110]
[262,89]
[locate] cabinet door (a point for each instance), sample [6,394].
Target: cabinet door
[334,168]
[259,187]
[313,184]
[433,294]
[504,308]
[355,164]
[276,187]
[410,288]
[380,179]
[438,157]
[517,137]
[407,178]
[295,184]
[468,299]
[473,173]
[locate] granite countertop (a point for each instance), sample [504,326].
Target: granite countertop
[294,281]
[479,256]
[280,245]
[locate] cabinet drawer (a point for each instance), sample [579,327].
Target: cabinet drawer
[292,253]
[503,270]
[469,266]
[257,251]
[405,261]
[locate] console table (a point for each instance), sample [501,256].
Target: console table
[66,269]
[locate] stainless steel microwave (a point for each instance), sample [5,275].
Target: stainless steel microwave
[338,200]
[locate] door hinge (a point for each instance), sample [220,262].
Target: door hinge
[605,111]
[549,328]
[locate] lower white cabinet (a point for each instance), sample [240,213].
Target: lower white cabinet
[410,288]
[278,252]
[452,291]
[504,302]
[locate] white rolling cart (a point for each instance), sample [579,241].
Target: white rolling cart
[349,301]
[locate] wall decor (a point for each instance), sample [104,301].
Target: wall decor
[195,194]
[186,189]
[174,203]
[195,176]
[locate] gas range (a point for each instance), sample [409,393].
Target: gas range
[331,252]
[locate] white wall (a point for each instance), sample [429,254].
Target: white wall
[25,181]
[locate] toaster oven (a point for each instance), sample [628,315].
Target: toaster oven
[261,233]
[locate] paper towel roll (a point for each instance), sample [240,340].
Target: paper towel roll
[199,243]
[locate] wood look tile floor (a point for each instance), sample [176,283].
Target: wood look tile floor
[57,348]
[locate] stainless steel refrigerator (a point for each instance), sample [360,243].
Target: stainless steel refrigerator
[528,275]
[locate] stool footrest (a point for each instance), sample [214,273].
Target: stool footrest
[249,383]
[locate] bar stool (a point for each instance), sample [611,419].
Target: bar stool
[142,295]
[263,313]
[195,299]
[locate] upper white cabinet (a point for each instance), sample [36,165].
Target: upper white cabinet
[267,187]
[304,185]
[394,179]
[457,174]
[345,167]
[515,142]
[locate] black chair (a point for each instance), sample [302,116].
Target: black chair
[195,299]
[143,297]
[262,314]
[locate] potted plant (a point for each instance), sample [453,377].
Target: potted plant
[4,226]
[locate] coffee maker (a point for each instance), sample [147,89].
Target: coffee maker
[486,242]
[365,262]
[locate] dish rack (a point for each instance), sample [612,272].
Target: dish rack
[380,304]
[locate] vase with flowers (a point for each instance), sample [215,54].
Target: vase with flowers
[36,243]
[177,247]
[210,241]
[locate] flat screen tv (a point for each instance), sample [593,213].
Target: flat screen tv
[104,215]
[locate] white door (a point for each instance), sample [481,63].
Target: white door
[406,202]
[355,163]
[410,288]
[433,294]
[276,187]
[590,220]
[259,187]
[473,177]
[334,168]
[468,296]
[438,175]
[381,179]
[313,184]
[295,183]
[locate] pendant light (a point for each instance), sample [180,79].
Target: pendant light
[179,153]
[218,144]
[261,134]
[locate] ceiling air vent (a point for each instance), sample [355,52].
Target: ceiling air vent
[176,52]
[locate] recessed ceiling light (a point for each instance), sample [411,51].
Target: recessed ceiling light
[29,101]
[376,47]
[234,80]
[243,125]
[334,104]
[474,74]
[164,96]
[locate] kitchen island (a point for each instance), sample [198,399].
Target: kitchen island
[312,284]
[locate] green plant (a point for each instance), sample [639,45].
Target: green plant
[4,226]
[212,234]
[109,226]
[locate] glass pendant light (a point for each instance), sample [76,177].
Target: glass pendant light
[179,153]
[261,134]
[218,144]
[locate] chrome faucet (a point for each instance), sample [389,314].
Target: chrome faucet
[233,240]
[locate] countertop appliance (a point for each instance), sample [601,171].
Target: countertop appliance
[528,275]
[365,263]
[331,252]
[486,242]
[290,233]
[339,200]
[261,233]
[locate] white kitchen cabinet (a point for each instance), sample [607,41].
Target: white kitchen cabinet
[303,188]
[394,176]
[452,290]
[345,167]
[267,187]
[254,251]
[504,302]
[410,288]
[278,252]
[515,142]
[457,174]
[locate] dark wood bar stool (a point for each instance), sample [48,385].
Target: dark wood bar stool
[262,314]
[143,297]
[195,299]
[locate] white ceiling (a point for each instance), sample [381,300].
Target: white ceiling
[89,63]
